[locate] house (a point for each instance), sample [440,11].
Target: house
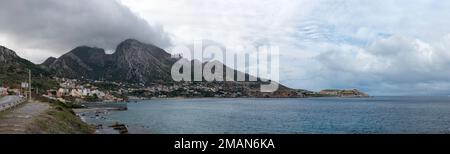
[99,94]
[62,92]
[86,92]
[52,93]
[76,93]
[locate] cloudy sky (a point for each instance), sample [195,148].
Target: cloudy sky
[388,47]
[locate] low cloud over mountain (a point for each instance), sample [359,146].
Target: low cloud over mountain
[40,28]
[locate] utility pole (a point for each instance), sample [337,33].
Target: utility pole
[29,84]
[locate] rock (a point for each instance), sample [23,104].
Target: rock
[120,127]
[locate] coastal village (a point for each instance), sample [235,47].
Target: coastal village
[78,91]
[73,90]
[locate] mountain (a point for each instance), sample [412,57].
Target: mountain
[137,62]
[10,62]
[14,69]
[133,61]
[48,62]
[81,62]
[143,63]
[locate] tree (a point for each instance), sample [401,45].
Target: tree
[92,98]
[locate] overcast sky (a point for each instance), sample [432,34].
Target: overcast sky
[389,47]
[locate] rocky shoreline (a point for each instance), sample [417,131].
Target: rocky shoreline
[100,113]
[100,110]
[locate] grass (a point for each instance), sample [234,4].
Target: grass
[2,113]
[60,119]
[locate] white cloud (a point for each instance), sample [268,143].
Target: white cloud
[390,47]
[383,47]
[40,28]
[232,22]
[397,61]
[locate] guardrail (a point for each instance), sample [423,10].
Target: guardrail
[4,107]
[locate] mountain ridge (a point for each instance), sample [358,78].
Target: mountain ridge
[10,62]
[132,61]
[14,70]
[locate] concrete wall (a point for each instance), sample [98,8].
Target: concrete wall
[4,107]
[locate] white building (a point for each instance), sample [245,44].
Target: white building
[99,93]
[86,92]
[63,91]
[76,93]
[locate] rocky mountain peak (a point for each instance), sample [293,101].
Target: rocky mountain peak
[133,61]
[49,61]
[130,41]
[142,62]
[85,52]
[135,47]
[11,63]
[7,54]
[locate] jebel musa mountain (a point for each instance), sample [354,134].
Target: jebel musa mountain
[132,61]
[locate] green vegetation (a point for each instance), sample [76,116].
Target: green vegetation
[92,98]
[106,86]
[13,80]
[60,119]
[43,84]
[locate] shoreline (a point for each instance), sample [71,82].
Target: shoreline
[192,98]
[106,127]
[99,113]
[148,126]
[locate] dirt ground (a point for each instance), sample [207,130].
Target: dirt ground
[18,120]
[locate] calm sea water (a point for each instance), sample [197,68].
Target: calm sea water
[285,116]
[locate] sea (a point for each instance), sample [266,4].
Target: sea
[373,115]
